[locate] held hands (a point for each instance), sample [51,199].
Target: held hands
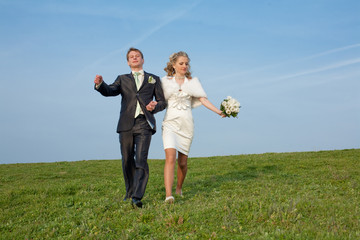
[98,80]
[151,106]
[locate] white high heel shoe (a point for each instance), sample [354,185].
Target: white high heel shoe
[170,199]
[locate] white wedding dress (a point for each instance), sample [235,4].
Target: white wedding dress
[178,124]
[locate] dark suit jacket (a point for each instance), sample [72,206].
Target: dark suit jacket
[125,85]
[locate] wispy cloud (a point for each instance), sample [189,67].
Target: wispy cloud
[305,72]
[330,52]
[119,11]
[320,69]
[142,37]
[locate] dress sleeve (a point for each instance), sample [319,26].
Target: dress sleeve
[196,91]
[167,86]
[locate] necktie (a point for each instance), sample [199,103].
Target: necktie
[137,81]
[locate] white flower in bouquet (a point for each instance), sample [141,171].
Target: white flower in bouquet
[230,107]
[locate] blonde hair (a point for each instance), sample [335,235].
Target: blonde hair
[169,69]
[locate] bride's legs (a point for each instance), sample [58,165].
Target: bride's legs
[181,171]
[170,159]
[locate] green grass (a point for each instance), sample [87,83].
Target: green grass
[304,195]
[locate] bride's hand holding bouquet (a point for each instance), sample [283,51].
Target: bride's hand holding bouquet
[230,107]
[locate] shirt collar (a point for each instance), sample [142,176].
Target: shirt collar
[141,72]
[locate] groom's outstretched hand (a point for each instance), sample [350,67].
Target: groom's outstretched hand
[98,80]
[151,106]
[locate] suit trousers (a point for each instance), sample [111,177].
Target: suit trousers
[134,145]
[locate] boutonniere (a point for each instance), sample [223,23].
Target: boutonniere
[151,80]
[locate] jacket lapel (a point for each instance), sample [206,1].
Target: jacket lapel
[132,80]
[146,77]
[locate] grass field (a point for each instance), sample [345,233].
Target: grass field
[303,195]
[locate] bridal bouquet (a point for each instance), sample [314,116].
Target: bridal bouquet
[230,107]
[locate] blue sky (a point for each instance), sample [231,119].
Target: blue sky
[293,65]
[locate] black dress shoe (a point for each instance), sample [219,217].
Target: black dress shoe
[125,198]
[136,202]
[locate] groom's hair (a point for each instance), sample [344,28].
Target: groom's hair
[136,50]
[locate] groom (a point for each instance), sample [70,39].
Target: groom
[142,97]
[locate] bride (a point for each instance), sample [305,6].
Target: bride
[182,93]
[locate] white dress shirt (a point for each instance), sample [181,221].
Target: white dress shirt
[141,80]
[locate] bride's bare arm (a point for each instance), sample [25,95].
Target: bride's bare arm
[210,106]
